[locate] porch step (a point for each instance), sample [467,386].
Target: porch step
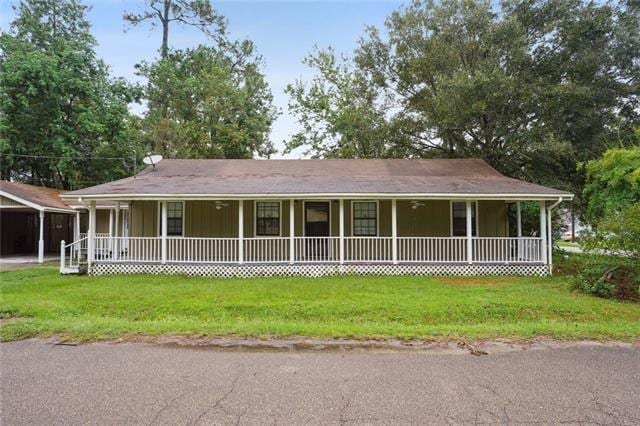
[74,270]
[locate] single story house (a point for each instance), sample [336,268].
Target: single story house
[34,220]
[315,217]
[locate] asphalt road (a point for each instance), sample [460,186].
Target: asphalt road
[145,384]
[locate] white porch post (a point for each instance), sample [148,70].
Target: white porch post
[163,228]
[543,231]
[241,231]
[76,248]
[519,218]
[341,227]
[469,233]
[519,228]
[76,227]
[41,239]
[91,242]
[116,233]
[111,231]
[394,231]
[125,223]
[549,240]
[110,222]
[292,231]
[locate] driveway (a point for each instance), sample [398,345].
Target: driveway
[8,263]
[145,384]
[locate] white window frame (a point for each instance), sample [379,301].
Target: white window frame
[304,215]
[184,215]
[353,217]
[451,217]
[255,218]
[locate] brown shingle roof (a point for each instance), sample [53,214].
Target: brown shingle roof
[314,177]
[46,198]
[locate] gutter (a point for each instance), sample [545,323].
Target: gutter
[554,205]
[550,234]
[311,196]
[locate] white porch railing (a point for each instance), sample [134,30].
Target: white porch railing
[266,250]
[128,249]
[317,249]
[84,239]
[72,255]
[310,250]
[368,249]
[432,249]
[507,250]
[202,250]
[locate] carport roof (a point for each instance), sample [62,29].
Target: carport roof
[36,197]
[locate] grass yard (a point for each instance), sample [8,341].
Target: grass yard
[40,302]
[567,244]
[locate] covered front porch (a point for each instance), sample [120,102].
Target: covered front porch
[246,237]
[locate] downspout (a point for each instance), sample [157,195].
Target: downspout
[550,234]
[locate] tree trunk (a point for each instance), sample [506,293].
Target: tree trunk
[573,224]
[164,49]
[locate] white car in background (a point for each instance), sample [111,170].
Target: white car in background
[566,236]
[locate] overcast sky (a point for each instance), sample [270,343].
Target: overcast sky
[284,32]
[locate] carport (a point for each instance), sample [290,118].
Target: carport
[33,220]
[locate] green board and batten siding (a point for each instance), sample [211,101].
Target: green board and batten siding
[143,220]
[492,219]
[202,219]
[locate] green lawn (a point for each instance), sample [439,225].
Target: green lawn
[40,302]
[567,244]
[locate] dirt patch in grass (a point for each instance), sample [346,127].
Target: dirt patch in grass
[5,321]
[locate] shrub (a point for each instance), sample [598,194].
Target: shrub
[610,278]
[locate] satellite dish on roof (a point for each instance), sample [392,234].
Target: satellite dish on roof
[152,160]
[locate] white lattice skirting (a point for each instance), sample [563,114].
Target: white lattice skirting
[317,270]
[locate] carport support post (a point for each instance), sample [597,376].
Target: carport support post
[41,239]
[292,230]
[468,217]
[62,244]
[163,205]
[543,231]
[241,232]
[394,231]
[341,248]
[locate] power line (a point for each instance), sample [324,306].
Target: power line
[64,158]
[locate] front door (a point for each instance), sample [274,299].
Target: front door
[316,225]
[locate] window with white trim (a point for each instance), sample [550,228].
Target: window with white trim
[175,212]
[365,219]
[459,219]
[267,218]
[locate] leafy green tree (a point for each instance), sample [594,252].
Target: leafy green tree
[218,104]
[531,87]
[613,183]
[618,232]
[193,13]
[57,100]
[340,113]
[612,193]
